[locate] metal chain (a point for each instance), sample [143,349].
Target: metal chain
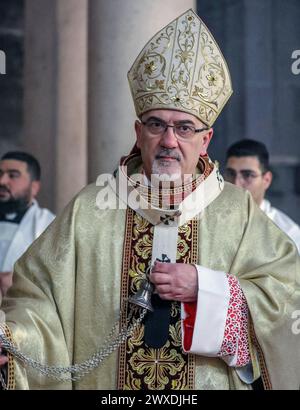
[77,371]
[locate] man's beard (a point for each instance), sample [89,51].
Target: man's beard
[18,204]
[165,170]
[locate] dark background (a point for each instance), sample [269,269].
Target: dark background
[257,38]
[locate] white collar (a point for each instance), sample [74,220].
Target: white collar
[190,207]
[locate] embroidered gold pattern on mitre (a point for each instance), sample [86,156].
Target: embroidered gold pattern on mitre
[142,367]
[181,68]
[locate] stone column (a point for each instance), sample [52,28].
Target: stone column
[55,95]
[71,131]
[39,85]
[118,30]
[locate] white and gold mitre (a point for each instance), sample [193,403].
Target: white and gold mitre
[181,68]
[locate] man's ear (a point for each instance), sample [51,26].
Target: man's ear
[35,188]
[206,140]
[138,133]
[267,178]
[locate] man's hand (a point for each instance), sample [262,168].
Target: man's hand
[5,282]
[175,281]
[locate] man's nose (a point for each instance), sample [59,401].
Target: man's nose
[4,179]
[239,181]
[168,139]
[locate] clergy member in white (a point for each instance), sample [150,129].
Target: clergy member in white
[21,218]
[248,167]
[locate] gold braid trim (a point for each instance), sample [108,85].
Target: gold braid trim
[262,363]
[132,355]
[11,379]
[193,260]
[124,291]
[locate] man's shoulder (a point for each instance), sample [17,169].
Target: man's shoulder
[47,213]
[232,201]
[43,212]
[233,193]
[98,198]
[84,199]
[284,219]
[89,191]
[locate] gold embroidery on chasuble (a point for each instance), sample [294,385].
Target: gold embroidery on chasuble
[142,367]
[10,376]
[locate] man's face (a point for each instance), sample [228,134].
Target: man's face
[166,153]
[17,190]
[246,172]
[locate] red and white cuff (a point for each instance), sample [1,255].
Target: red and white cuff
[217,324]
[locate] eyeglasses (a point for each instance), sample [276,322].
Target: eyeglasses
[182,131]
[247,175]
